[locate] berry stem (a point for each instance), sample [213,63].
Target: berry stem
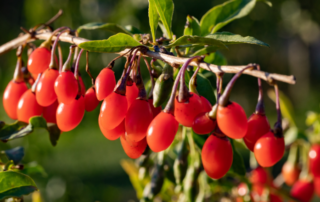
[151,77]
[66,65]
[260,104]
[52,61]
[87,68]
[139,82]
[47,43]
[18,75]
[34,86]
[277,130]
[76,69]
[193,82]
[213,113]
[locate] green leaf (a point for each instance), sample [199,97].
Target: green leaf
[34,168]
[216,58]
[192,26]
[111,27]
[15,154]
[230,38]
[164,31]
[197,40]
[133,30]
[205,50]
[54,133]
[237,163]
[222,14]
[15,184]
[205,88]
[115,43]
[165,11]
[153,19]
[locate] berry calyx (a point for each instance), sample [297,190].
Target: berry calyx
[112,134]
[133,152]
[90,99]
[302,190]
[105,83]
[50,112]
[28,107]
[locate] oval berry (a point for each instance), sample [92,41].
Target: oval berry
[105,83]
[69,116]
[217,156]
[314,159]
[50,112]
[161,131]
[258,125]
[138,119]
[232,120]
[113,110]
[316,182]
[112,134]
[39,60]
[133,152]
[186,112]
[11,97]
[90,99]
[132,92]
[45,94]
[206,105]
[259,176]
[66,87]
[83,87]
[28,107]
[269,149]
[302,190]
[203,124]
[290,173]
[155,110]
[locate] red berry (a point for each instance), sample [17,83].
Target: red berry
[90,99]
[133,151]
[290,173]
[217,156]
[28,107]
[161,131]
[302,190]
[275,198]
[232,120]
[45,94]
[155,110]
[314,159]
[112,134]
[70,115]
[132,92]
[186,112]
[206,105]
[50,112]
[203,124]
[316,182]
[39,60]
[11,97]
[258,125]
[138,119]
[113,110]
[66,87]
[105,83]
[259,176]
[83,87]
[269,149]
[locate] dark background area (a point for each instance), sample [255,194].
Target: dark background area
[85,166]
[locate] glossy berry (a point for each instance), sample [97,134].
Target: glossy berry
[45,93]
[302,190]
[232,120]
[155,110]
[161,131]
[11,97]
[314,160]
[90,99]
[129,141]
[113,110]
[133,151]
[132,92]
[290,173]
[66,87]
[138,119]
[316,182]
[28,107]
[70,115]
[83,87]
[39,60]
[112,134]
[186,112]
[50,112]
[269,149]
[259,176]
[203,124]
[206,105]
[217,156]
[258,125]
[105,83]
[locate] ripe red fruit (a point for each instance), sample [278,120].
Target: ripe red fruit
[28,107]
[11,97]
[314,159]
[206,105]
[269,149]
[83,87]
[105,83]
[290,173]
[66,87]
[302,190]
[217,156]
[232,120]
[316,182]
[45,94]
[133,151]
[70,115]
[259,176]
[203,124]
[90,99]
[112,134]
[161,131]
[155,110]
[258,125]
[186,112]
[138,119]
[113,110]
[132,92]
[39,60]
[50,112]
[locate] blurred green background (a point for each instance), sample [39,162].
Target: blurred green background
[85,166]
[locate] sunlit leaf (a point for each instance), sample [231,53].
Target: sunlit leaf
[205,88]
[165,11]
[230,38]
[110,27]
[153,18]
[216,58]
[205,50]
[197,40]
[192,26]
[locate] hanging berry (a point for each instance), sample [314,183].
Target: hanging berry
[105,82]
[49,113]
[314,159]
[90,98]
[302,190]
[112,134]
[133,151]
[290,169]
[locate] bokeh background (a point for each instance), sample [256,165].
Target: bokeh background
[84,166]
